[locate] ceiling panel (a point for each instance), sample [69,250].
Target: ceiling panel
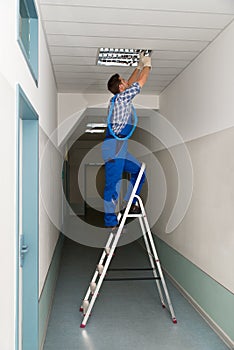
[87,73]
[127,31]
[84,69]
[73,51]
[177,32]
[91,61]
[77,60]
[174,55]
[135,43]
[141,17]
[211,6]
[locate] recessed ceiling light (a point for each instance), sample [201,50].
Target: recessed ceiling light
[96,125]
[120,57]
[95,131]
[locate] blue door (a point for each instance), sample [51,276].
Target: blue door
[27,237]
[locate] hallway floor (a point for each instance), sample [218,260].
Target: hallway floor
[126,315]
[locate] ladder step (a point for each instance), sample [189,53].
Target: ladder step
[133,269]
[93,286]
[132,278]
[85,306]
[100,269]
[107,250]
[134,215]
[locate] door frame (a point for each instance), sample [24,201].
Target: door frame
[27,116]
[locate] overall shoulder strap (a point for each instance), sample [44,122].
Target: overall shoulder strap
[114,98]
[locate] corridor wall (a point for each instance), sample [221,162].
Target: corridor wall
[14,70]
[200,105]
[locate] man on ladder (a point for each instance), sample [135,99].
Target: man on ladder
[117,159]
[107,255]
[115,148]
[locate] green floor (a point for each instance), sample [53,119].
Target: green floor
[126,315]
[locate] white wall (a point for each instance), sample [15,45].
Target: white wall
[200,101]
[200,104]
[13,70]
[7,210]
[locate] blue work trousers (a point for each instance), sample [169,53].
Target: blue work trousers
[118,160]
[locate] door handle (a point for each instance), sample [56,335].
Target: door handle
[23,250]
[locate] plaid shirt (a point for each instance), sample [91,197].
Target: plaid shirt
[123,108]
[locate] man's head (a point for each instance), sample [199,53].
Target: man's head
[116,84]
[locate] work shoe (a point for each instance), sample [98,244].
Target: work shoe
[135,209]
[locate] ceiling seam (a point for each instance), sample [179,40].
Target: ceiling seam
[131,38]
[135,25]
[164,74]
[153,59]
[97,47]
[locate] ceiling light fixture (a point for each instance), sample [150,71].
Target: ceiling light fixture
[95,131]
[96,125]
[120,57]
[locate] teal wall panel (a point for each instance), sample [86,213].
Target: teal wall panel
[46,298]
[212,297]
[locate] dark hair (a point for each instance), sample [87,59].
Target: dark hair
[113,84]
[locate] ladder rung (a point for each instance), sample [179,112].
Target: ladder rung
[134,215]
[132,278]
[132,269]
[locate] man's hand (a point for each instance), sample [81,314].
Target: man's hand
[143,76]
[146,61]
[142,71]
[140,63]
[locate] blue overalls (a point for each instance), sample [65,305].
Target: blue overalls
[118,160]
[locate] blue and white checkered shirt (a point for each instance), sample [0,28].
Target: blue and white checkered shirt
[122,111]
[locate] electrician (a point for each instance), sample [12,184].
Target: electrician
[115,151]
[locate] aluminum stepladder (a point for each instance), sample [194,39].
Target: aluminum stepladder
[107,255]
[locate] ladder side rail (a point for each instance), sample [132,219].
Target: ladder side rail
[102,276]
[133,194]
[158,264]
[164,284]
[152,261]
[96,272]
[115,242]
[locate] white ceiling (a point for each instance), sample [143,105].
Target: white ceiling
[176,30]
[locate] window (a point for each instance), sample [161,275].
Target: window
[28,34]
